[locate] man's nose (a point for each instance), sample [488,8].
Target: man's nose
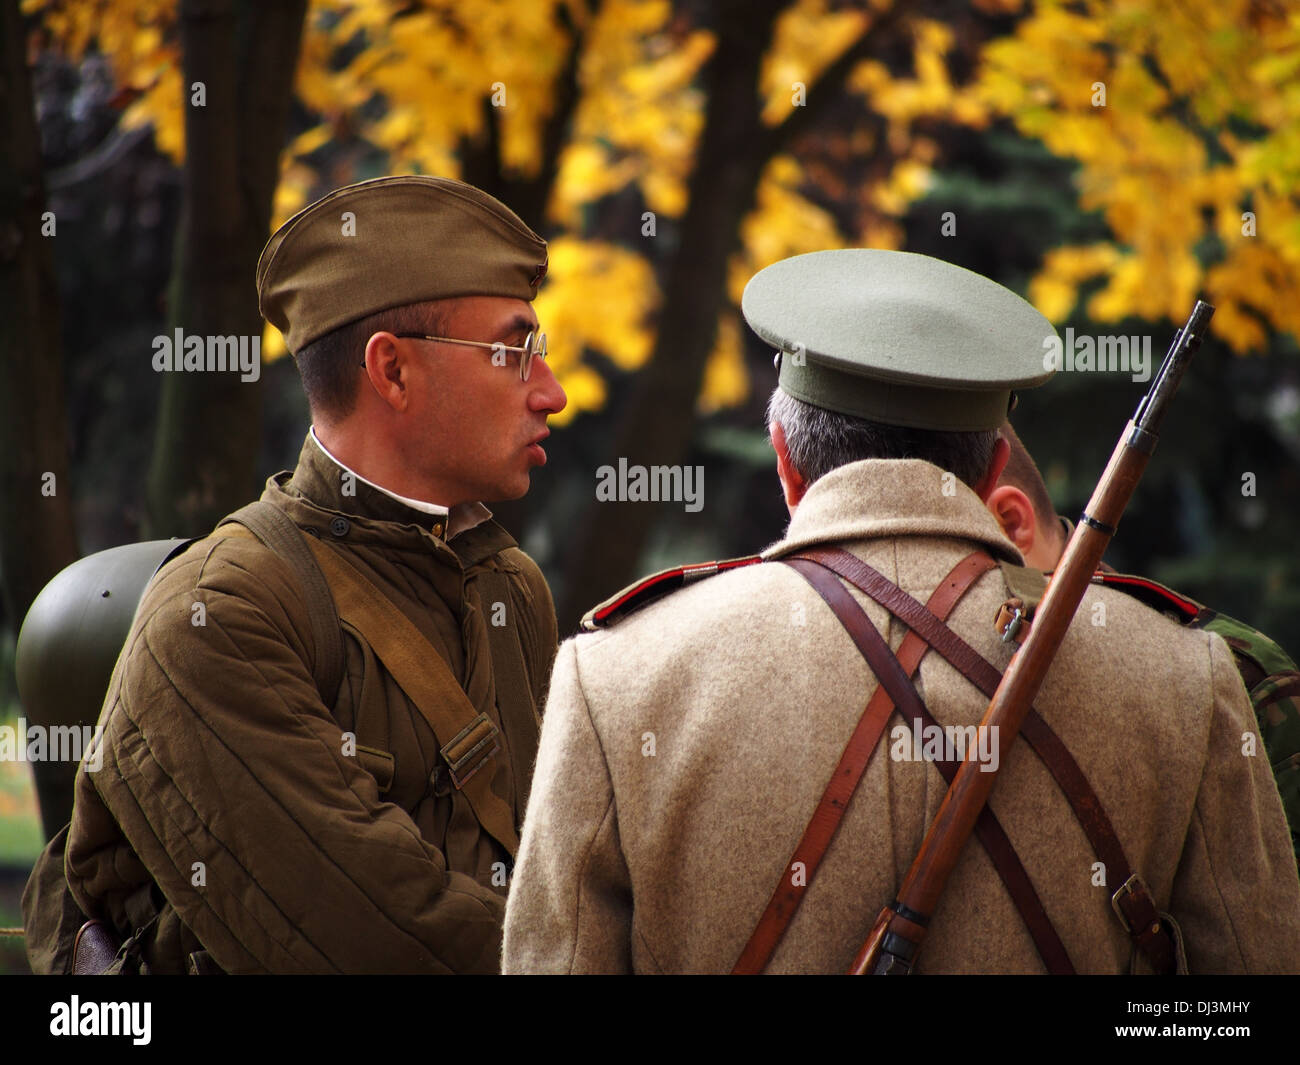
[544,391]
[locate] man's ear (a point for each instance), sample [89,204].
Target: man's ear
[792,482]
[1013,511]
[387,370]
[997,463]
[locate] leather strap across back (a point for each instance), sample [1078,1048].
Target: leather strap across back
[1132,902]
[895,688]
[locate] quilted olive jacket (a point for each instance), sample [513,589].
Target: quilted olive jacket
[236,813]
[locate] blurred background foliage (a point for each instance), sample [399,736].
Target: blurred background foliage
[1110,159]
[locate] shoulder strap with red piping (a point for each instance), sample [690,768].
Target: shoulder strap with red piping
[655,587]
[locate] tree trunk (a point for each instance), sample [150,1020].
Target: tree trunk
[37,534]
[244,53]
[734,147]
[659,423]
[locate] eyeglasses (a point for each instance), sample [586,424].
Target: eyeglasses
[534,347]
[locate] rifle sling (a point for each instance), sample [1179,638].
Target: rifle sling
[1132,902]
[895,686]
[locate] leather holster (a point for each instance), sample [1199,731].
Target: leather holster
[95,949]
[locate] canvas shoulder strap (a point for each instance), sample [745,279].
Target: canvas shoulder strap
[277,531]
[335,590]
[469,739]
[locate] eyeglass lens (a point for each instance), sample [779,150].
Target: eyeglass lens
[534,345]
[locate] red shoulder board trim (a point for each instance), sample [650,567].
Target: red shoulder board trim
[1154,595]
[656,587]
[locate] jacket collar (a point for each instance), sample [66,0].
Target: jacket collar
[314,495]
[414,504]
[887,498]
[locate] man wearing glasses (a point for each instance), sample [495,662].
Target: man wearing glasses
[245,821]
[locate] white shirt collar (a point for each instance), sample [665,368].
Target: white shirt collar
[414,504]
[460,518]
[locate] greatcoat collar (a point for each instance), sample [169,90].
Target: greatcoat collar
[887,498]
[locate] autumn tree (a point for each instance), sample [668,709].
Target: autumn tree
[670,150]
[236,75]
[213,79]
[1185,120]
[37,535]
[648,140]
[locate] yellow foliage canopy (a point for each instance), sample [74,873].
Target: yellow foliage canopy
[1193,157]
[1151,96]
[598,296]
[417,80]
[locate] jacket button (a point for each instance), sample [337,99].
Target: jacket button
[437,529]
[340,526]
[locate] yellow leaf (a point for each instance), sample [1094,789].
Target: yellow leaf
[1053,296]
[273,346]
[585,389]
[726,381]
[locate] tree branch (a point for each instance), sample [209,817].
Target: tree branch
[831,83]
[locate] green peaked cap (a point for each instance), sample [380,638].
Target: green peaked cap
[898,338]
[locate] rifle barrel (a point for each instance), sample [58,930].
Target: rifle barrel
[1010,704]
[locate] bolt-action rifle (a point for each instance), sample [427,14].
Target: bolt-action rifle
[896,937]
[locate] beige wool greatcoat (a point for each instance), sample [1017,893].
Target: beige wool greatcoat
[685,748]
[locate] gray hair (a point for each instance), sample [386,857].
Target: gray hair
[820,440]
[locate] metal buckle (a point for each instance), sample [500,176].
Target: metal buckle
[469,750]
[1014,625]
[1130,888]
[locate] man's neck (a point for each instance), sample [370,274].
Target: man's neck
[338,452]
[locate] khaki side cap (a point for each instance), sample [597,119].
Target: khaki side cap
[417,238]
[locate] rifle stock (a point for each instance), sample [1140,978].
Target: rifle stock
[895,939]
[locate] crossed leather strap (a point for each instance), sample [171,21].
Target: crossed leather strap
[1132,902]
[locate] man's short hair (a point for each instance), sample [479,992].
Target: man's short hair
[330,365]
[819,441]
[1022,472]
